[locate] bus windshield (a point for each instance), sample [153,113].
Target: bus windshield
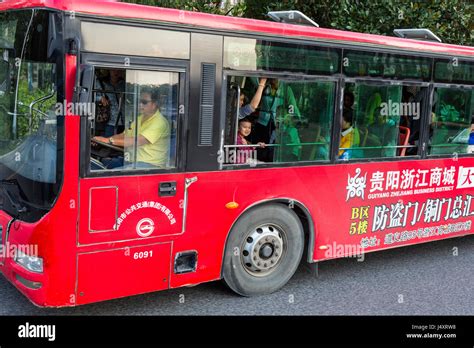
[28,122]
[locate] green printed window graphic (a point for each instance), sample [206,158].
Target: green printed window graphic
[376,64]
[255,55]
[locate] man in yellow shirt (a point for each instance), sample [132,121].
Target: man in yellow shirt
[153,135]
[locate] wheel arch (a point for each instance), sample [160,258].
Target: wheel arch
[303,215]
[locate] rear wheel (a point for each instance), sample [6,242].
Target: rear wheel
[263,251]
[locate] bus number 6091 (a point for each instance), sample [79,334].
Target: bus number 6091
[142,255]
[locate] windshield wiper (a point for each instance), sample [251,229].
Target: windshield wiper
[11,190]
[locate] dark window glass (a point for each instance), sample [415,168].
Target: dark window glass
[451,119]
[381,121]
[454,71]
[254,55]
[376,64]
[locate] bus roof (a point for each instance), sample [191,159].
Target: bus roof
[112,8]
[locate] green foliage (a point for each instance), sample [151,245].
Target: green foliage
[26,124]
[451,20]
[26,97]
[212,6]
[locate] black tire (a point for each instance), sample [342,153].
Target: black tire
[246,278]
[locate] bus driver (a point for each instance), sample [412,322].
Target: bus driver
[152,137]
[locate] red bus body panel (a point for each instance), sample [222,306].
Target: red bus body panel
[322,190]
[95,238]
[108,274]
[108,262]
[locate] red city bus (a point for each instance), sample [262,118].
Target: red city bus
[126,168]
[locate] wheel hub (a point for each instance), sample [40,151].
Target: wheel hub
[262,249]
[266,251]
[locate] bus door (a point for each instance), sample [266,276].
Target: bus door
[133,186]
[132,189]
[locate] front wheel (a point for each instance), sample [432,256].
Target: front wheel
[263,250]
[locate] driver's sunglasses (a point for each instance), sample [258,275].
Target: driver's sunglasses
[144,101]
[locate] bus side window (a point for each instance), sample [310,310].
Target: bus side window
[376,127]
[304,121]
[147,139]
[240,113]
[293,120]
[451,118]
[453,108]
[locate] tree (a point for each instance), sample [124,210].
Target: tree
[222,7]
[451,20]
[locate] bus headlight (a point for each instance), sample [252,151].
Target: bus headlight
[31,263]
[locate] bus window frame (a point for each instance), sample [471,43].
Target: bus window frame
[104,61]
[287,77]
[443,156]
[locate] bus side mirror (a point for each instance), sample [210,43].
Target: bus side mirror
[84,105]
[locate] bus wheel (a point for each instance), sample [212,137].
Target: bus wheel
[263,251]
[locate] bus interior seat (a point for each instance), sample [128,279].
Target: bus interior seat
[403,137]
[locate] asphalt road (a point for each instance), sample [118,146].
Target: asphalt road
[427,279]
